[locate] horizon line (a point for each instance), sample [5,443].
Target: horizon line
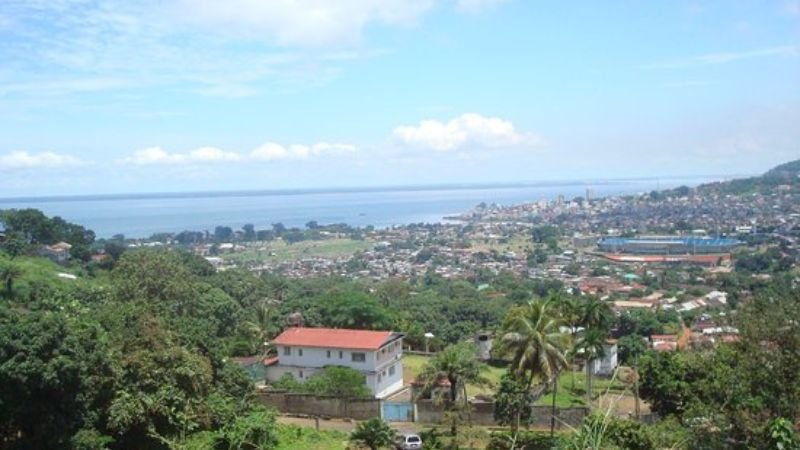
[354,189]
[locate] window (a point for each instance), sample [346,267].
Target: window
[287,351]
[358,357]
[301,374]
[379,378]
[300,352]
[341,354]
[391,370]
[329,354]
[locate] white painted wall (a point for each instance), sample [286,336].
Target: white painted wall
[608,364]
[376,366]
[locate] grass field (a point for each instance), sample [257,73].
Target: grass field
[38,270]
[292,437]
[279,251]
[520,243]
[571,387]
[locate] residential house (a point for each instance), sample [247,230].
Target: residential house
[606,365]
[664,342]
[378,355]
[57,252]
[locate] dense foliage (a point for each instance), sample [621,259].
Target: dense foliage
[332,380]
[730,395]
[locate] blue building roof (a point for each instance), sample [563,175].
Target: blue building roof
[691,241]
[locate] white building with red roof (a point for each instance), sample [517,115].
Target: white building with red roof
[303,352]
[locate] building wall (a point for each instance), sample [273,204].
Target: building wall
[608,364]
[321,357]
[376,366]
[319,406]
[387,380]
[482,413]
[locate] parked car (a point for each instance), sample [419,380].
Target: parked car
[408,442]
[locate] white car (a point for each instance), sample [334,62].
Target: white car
[408,442]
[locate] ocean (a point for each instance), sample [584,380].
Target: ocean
[141,215]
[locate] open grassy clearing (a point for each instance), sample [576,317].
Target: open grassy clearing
[519,243]
[39,271]
[571,386]
[278,251]
[293,437]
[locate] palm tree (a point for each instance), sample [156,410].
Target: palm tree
[592,345]
[596,318]
[459,365]
[531,336]
[8,273]
[571,311]
[261,325]
[595,314]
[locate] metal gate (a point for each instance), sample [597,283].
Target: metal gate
[398,411]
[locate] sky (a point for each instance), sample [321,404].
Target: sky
[121,96]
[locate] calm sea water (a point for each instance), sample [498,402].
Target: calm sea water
[141,216]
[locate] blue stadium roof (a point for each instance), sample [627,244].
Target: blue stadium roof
[693,241]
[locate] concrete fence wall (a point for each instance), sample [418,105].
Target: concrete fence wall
[480,413]
[314,405]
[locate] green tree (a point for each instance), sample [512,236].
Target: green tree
[9,272]
[782,435]
[56,378]
[665,378]
[596,314]
[356,310]
[631,347]
[532,338]
[260,327]
[223,234]
[513,404]
[459,365]
[373,434]
[249,231]
[591,345]
[339,382]
[531,335]
[15,244]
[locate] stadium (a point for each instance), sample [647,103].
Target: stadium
[668,245]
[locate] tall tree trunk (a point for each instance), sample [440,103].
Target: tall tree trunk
[553,409]
[589,380]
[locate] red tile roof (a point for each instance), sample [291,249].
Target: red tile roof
[334,338]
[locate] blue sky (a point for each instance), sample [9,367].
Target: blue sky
[178,95]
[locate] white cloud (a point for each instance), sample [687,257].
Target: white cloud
[476,6]
[156,155]
[464,130]
[25,160]
[267,152]
[304,22]
[272,151]
[709,59]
